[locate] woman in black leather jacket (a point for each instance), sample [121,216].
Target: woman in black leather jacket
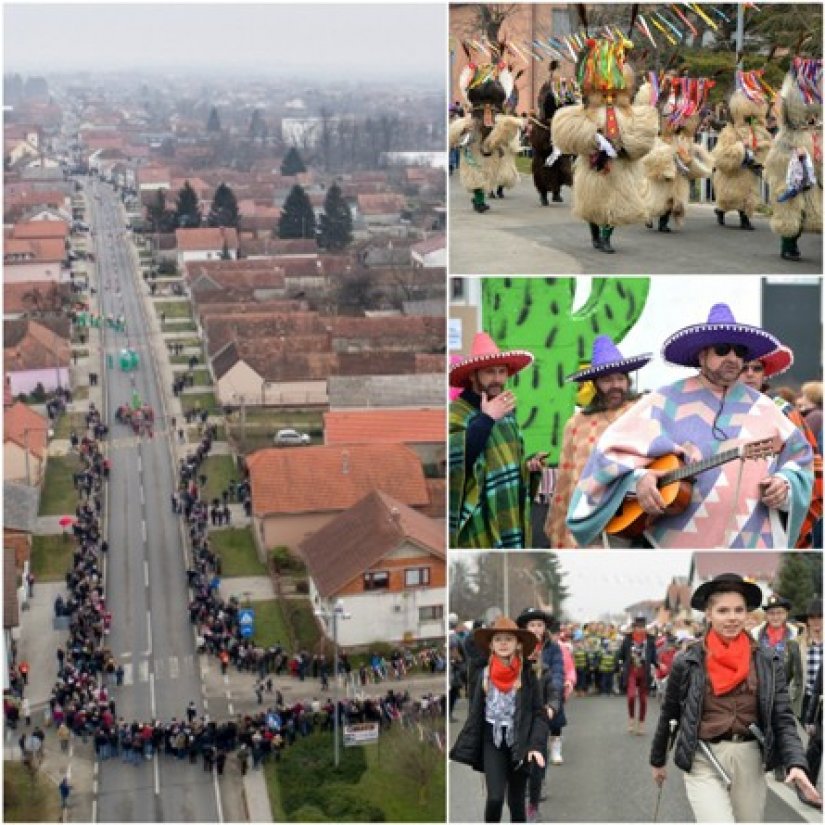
[731,704]
[506,728]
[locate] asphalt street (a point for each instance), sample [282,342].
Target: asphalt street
[146,582]
[605,776]
[518,236]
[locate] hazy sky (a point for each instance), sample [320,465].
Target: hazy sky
[379,40]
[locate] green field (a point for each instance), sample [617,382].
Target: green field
[201,376]
[200,401]
[174,309]
[58,496]
[219,471]
[236,548]
[398,779]
[27,797]
[51,557]
[68,422]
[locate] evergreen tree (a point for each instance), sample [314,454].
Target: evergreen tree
[225,256]
[257,126]
[336,222]
[160,218]
[187,209]
[214,122]
[298,218]
[224,209]
[799,579]
[292,163]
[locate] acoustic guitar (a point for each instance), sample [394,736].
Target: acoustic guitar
[676,485]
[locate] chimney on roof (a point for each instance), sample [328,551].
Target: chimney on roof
[344,462]
[395,515]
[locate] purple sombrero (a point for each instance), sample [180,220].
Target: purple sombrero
[485,353]
[683,347]
[607,359]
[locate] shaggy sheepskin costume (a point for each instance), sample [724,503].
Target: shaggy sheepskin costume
[799,208]
[676,159]
[740,153]
[609,135]
[486,136]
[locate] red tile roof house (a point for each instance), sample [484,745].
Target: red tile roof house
[25,441]
[39,259]
[386,563]
[34,353]
[298,490]
[383,209]
[205,244]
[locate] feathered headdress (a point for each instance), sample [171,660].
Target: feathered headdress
[752,85]
[600,65]
[807,72]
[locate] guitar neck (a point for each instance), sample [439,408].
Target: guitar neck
[699,466]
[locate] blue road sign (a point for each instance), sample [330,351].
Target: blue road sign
[247,630]
[246,615]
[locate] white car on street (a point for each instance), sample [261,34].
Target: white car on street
[290,438]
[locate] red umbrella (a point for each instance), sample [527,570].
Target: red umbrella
[65,521]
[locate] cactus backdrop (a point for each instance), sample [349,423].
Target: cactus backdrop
[537,314]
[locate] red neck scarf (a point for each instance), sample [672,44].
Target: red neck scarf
[504,676]
[728,663]
[775,634]
[639,636]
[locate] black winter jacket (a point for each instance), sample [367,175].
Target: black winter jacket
[684,700]
[531,723]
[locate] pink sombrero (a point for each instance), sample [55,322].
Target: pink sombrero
[485,353]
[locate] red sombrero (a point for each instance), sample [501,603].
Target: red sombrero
[485,353]
[778,361]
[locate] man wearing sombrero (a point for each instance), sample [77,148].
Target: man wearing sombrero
[755,374]
[610,372]
[489,473]
[757,503]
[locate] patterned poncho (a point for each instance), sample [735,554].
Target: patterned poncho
[725,509]
[489,502]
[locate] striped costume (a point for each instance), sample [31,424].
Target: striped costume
[490,501]
[679,418]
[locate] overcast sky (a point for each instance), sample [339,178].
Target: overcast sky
[377,40]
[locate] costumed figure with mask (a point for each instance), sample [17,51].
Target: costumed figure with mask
[551,169]
[794,164]
[740,153]
[676,159]
[486,135]
[609,135]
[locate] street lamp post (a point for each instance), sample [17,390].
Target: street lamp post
[337,613]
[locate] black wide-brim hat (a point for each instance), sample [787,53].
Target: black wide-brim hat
[727,583]
[683,347]
[533,614]
[776,600]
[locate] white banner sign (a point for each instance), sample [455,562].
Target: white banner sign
[361,734]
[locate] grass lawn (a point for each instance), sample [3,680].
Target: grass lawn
[80,353]
[236,548]
[270,625]
[80,393]
[174,309]
[301,620]
[200,401]
[201,376]
[58,495]
[219,471]
[178,325]
[185,342]
[28,798]
[184,359]
[524,165]
[51,557]
[68,422]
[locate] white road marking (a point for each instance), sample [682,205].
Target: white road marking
[149,629]
[174,667]
[143,529]
[218,796]
[97,765]
[94,810]
[146,572]
[142,499]
[140,464]
[143,671]
[231,709]
[126,655]
[152,694]
[127,673]
[157,773]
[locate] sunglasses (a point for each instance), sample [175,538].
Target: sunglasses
[723,349]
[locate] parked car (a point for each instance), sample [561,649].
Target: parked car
[290,438]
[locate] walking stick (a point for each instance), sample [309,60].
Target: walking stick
[671,741]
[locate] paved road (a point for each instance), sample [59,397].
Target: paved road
[605,776]
[146,580]
[520,237]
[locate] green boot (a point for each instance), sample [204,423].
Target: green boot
[789,249]
[478,201]
[606,232]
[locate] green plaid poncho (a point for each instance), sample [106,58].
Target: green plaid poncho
[489,506]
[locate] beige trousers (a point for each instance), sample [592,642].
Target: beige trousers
[745,801]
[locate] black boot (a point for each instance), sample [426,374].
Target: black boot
[607,231]
[557,198]
[790,251]
[543,199]
[481,207]
[720,217]
[744,221]
[500,192]
[595,236]
[491,194]
[663,221]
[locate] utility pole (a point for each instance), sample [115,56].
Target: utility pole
[740,33]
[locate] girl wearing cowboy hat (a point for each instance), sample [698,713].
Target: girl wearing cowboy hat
[728,693]
[506,728]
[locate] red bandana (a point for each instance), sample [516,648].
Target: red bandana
[504,676]
[775,635]
[728,663]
